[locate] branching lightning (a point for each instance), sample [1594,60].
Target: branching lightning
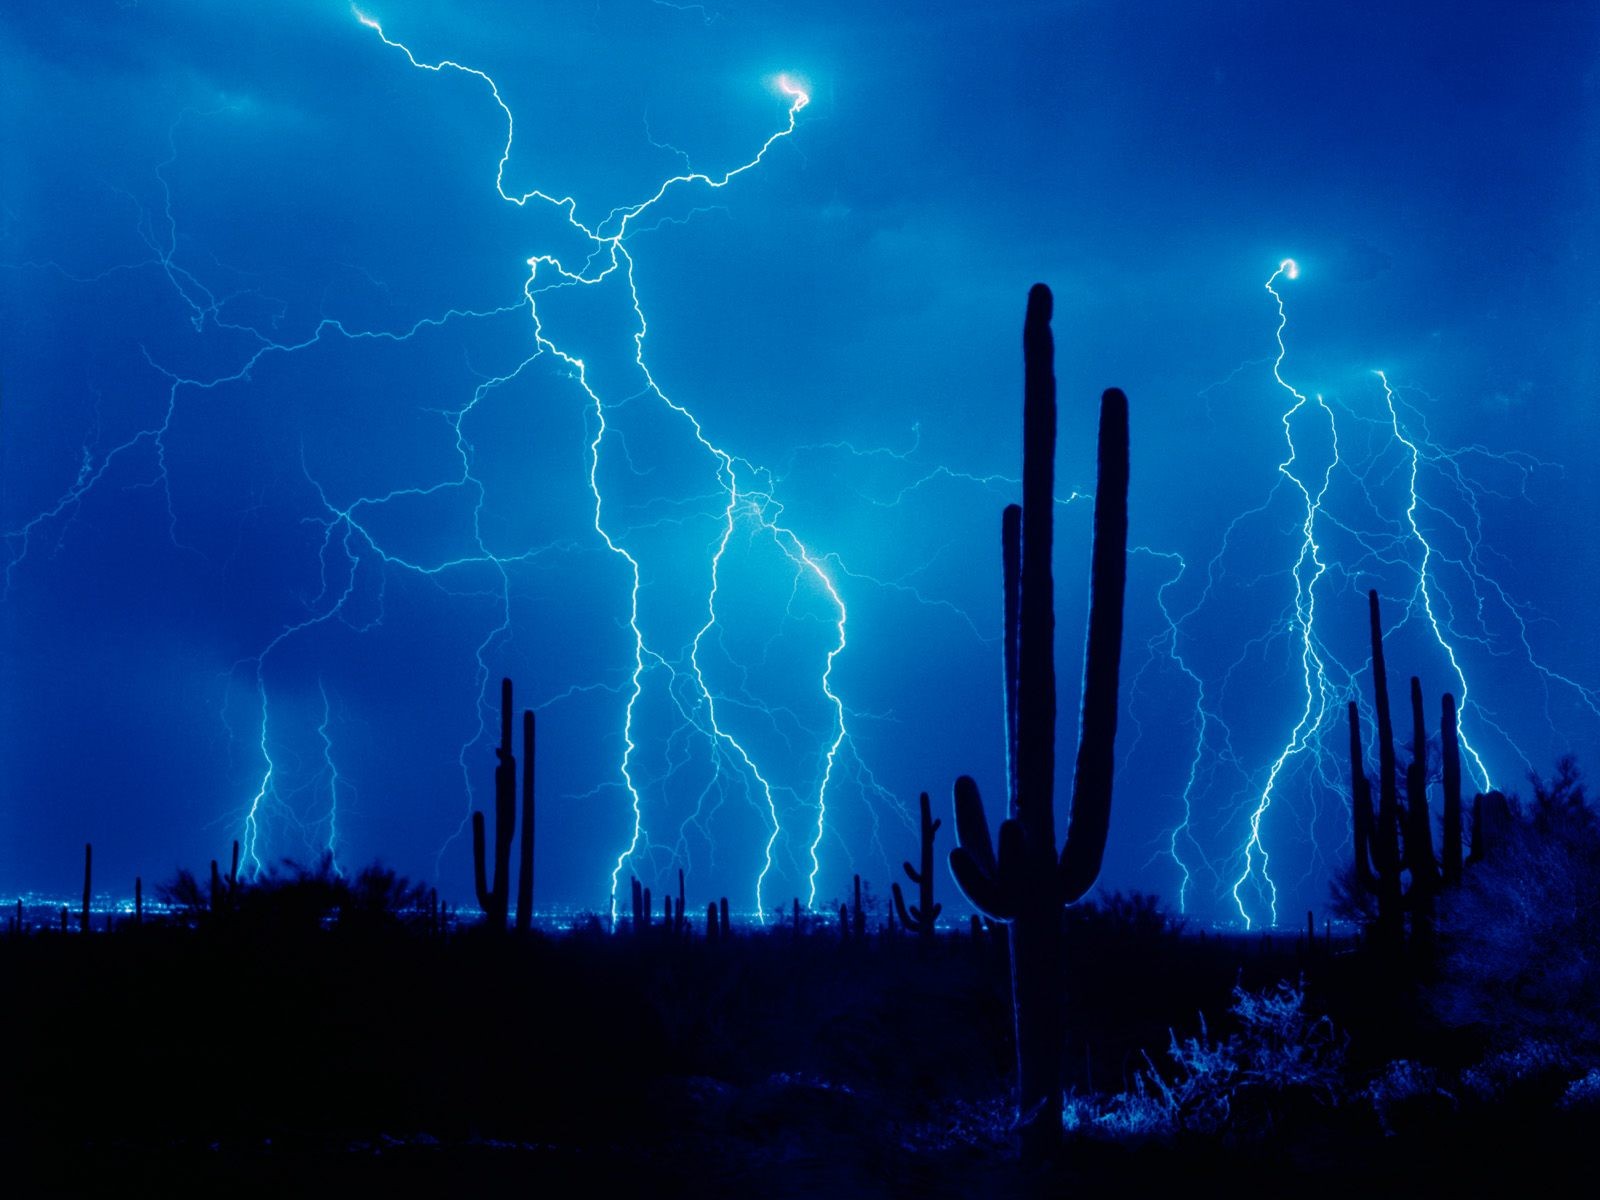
[1346,529]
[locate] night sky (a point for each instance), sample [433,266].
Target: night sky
[296,460]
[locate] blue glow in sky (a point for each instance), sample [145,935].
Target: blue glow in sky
[323,406]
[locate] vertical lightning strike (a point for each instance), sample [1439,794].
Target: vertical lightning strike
[607,255]
[333,780]
[1422,591]
[1305,608]
[1398,543]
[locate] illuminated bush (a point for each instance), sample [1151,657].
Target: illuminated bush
[1521,937]
[1279,1060]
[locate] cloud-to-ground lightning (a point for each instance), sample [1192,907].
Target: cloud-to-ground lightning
[606,255]
[1354,528]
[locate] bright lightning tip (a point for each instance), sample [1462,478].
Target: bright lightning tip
[1290,268]
[369,22]
[790,88]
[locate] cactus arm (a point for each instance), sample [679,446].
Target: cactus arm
[982,891]
[1091,786]
[972,826]
[1011,559]
[900,906]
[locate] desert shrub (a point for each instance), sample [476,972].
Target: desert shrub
[1279,1060]
[1520,938]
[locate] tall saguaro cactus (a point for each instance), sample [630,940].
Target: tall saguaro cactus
[1028,882]
[494,895]
[1390,928]
[922,915]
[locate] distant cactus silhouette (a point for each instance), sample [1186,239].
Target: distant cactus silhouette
[922,915]
[859,917]
[224,895]
[494,896]
[1378,858]
[1027,884]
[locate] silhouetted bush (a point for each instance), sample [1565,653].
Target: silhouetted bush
[1521,937]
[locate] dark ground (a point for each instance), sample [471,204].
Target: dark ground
[274,1058]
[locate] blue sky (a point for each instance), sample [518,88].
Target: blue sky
[288,484]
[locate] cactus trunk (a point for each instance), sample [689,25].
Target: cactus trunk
[1389,931]
[1027,883]
[922,915]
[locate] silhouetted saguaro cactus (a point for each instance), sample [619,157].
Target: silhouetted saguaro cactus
[711,921]
[224,894]
[138,900]
[678,917]
[494,897]
[1027,883]
[922,915]
[1389,930]
[859,916]
[726,929]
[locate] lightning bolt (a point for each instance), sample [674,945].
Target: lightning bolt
[1371,542]
[738,480]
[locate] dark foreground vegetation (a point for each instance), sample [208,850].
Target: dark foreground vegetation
[301,1038]
[303,1032]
